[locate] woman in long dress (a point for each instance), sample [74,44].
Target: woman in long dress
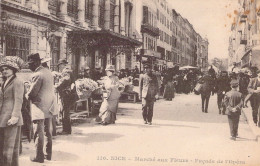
[111,95]
[169,86]
[10,113]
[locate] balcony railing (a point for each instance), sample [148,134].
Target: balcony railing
[243,39]
[147,28]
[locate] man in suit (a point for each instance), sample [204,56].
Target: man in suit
[41,94]
[254,92]
[233,102]
[149,91]
[207,88]
[222,86]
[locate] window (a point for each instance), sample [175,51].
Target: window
[88,9]
[112,14]
[158,14]
[53,7]
[101,14]
[73,8]
[18,41]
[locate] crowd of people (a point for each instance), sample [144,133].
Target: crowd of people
[38,101]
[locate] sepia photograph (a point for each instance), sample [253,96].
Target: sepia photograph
[129,82]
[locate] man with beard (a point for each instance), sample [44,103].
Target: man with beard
[149,92]
[222,87]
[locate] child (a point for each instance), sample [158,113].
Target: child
[233,102]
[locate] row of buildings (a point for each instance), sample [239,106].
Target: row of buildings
[124,33]
[244,42]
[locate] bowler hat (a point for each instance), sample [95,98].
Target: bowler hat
[62,61]
[33,58]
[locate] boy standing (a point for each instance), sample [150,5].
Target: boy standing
[233,102]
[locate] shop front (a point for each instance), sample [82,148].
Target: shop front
[102,47]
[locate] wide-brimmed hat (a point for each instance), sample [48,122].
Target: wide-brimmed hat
[33,58]
[110,68]
[10,61]
[45,59]
[63,61]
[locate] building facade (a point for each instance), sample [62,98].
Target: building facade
[244,42]
[125,33]
[92,32]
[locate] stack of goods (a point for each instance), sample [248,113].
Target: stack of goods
[85,87]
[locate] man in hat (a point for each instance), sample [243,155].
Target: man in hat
[67,94]
[233,102]
[222,87]
[254,92]
[149,91]
[41,94]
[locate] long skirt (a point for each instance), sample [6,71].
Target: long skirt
[9,145]
[108,111]
[169,90]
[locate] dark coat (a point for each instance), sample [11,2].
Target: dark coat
[207,85]
[233,99]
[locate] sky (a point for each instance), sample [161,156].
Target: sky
[211,19]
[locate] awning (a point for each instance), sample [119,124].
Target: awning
[255,59]
[100,38]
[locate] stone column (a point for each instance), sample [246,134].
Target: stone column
[63,14]
[107,15]
[81,13]
[122,28]
[95,14]
[116,17]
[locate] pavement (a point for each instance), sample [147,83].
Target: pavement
[180,135]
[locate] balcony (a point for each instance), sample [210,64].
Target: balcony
[243,39]
[147,28]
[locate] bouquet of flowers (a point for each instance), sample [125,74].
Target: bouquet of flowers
[128,87]
[84,87]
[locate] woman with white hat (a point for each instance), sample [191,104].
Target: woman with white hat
[111,96]
[10,112]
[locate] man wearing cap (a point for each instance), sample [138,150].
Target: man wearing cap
[41,94]
[233,102]
[254,92]
[149,91]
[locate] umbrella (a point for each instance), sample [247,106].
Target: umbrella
[187,67]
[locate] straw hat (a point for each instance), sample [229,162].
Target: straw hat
[110,68]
